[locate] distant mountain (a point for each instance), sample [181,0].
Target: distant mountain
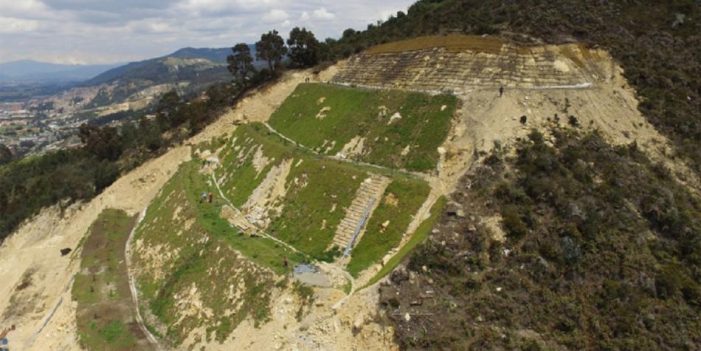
[214,55]
[182,65]
[29,71]
[162,70]
[189,70]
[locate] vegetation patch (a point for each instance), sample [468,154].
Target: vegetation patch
[389,222]
[398,129]
[238,172]
[418,238]
[318,190]
[105,312]
[197,271]
[453,43]
[32,183]
[603,251]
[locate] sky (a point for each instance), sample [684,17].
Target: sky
[111,31]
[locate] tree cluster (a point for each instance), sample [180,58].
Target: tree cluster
[71,175]
[302,50]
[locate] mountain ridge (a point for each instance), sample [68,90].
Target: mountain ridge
[32,70]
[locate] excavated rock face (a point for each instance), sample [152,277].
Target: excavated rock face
[460,69]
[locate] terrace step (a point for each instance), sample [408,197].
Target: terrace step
[367,198]
[439,69]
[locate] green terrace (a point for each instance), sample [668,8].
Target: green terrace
[187,252]
[391,128]
[318,190]
[292,201]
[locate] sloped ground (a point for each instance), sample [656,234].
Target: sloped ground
[105,312]
[601,252]
[587,89]
[429,310]
[395,129]
[276,205]
[189,275]
[458,63]
[483,126]
[484,118]
[187,269]
[48,321]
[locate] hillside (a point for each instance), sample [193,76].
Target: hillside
[656,44]
[527,190]
[188,70]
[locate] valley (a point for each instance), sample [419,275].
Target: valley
[40,116]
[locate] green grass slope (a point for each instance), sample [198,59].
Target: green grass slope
[402,198]
[318,190]
[104,315]
[189,253]
[326,117]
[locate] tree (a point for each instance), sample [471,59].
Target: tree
[271,48]
[167,110]
[5,154]
[241,64]
[104,143]
[303,48]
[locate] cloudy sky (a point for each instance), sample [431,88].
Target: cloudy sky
[107,31]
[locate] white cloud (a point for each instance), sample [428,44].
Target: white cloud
[323,13]
[125,30]
[219,6]
[27,8]
[275,15]
[9,25]
[151,26]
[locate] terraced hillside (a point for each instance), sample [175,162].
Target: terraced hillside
[391,128]
[273,234]
[459,63]
[349,180]
[231,224]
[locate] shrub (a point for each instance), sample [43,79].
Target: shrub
[513,223]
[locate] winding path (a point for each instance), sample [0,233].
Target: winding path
[132,284]
[261,233]
[423,176]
